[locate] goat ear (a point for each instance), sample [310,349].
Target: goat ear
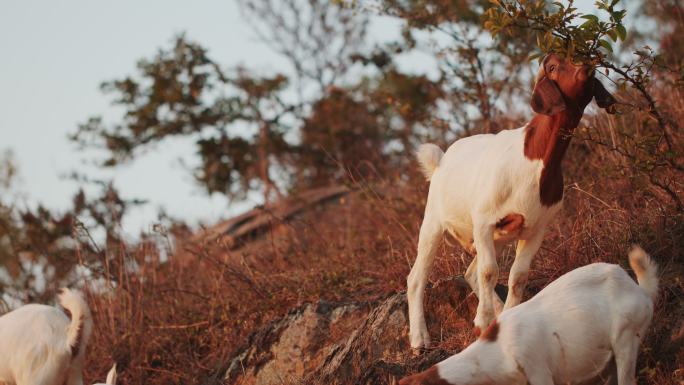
[547,98]
[603,98]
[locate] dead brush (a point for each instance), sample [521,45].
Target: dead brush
[179,321]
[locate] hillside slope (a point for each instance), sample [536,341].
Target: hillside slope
[318,296]
[312,292]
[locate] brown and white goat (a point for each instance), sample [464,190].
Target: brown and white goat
[488,190]
[569,333]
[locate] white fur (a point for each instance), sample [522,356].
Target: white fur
[645,270]
[37,340]
[429,156]
[111,377]
[479,180]
[567,333]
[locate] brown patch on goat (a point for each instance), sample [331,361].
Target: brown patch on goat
[551,186]
[477,331]
[428,377]
[547,140]
[491,332]
[511,223]
[547,136]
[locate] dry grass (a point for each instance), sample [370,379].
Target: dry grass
[177,322]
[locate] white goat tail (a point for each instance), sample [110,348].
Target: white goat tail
[645,269]
[81,325]
[111,376]
[429,156]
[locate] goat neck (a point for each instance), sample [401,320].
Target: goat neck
[547,138]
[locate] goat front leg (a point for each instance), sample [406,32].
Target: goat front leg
[428,241]
[517,278]
[487,273]
[471,277]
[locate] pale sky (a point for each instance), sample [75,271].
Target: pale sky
[54,55]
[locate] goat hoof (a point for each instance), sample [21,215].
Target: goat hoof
[416,352]
[420,347]
[420,341]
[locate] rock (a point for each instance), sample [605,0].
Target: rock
[286,350]
[378,352]
[327,343]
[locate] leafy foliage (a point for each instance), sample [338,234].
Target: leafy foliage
[182,92]
[560,31]
[557,29]
[477,72]
[251,134]
[40,248]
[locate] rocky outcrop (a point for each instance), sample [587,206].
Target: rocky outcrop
[353,343]
[284,351]
[360,343]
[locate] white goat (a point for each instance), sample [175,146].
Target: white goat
[488,190]
[566,334]
[41,346]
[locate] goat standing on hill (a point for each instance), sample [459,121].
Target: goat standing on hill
[40,345]
[566,334]
[488,190]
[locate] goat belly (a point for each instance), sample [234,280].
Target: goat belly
[463,234]
[587,370]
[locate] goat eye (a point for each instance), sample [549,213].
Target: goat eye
[552,67]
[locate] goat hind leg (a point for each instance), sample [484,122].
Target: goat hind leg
[487,274]
[626,349]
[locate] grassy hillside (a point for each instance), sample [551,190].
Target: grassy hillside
[180,320]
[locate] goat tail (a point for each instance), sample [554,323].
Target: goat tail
[645,269]
[111,376]
[429,156]
[81,326]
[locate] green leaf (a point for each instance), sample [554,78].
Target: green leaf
[588,24]
[548,40]
[641,53]
[606,44]
[622,32]
[590,17]
[535,56]
[613,34]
